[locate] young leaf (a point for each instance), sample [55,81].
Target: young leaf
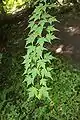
[39,30]
[42,22]
[30,49]
[41,63]
[43,82]
[31,24]
[49,37]
[45,73]
[52,19]
[41,41]
[33,91]
[29,80]
[39,51]
[35,26]
[51,29]
[43,92]
[31,39]
[33,16]
[34,72]
[48,57]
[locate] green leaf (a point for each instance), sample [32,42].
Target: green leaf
[51,29]
[45,73]
[26,65]
[39,51]
[31,39]
[33,91]
[29,80]
[39,30]
[35,26]
[33,16]
[33,57]
[34,72]
[46,16]
[43,92]
[42,22]
[41,41]
[43,82]
[38,9]
[48,57]
[30,49]
[52,19]
[50,37]
[49,69]
[41,63]
[27,60]
[31,24]
[37,16]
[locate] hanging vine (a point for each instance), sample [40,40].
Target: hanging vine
[37,60]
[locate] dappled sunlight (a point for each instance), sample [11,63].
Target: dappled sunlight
[72,30]
[69,34]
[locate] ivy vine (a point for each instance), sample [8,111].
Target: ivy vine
[38,59]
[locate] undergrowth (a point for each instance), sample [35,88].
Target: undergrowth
[14,103]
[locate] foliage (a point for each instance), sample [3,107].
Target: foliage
[14,103]
[64,83]
[0,57]
[38,59]
[11,6]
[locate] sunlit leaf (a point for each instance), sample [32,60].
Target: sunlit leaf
[35,26]
[39,30]
[51,29]
[42,22]
[31,39]
[39,51]
[30,49]
[34,72]
[41,40]
[41,63]
[33,91]
[43,82]
[31,24]
[46,73]
[43,92]
[48,57]
[52,19]
[50,37]
[29,80]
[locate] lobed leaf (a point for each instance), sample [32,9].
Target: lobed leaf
[33,91]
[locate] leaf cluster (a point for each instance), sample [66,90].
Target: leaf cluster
[37,60]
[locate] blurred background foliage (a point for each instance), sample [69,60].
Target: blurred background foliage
[10,6]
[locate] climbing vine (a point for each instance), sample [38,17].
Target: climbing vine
[38,59]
